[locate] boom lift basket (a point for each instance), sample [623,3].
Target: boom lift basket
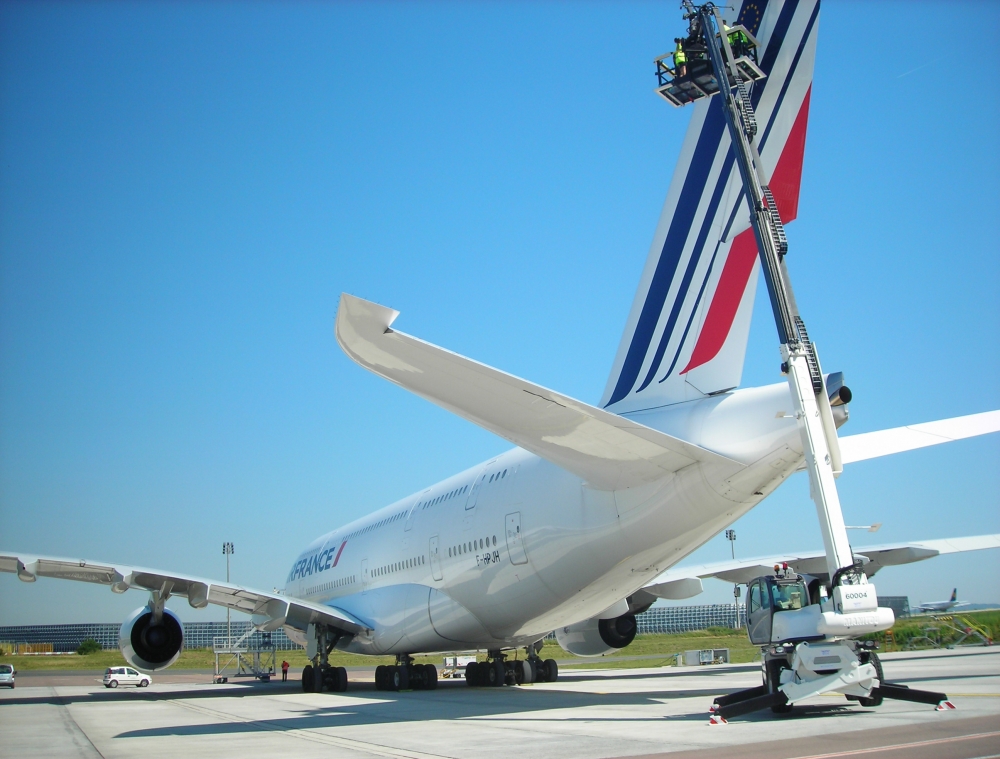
[699,81]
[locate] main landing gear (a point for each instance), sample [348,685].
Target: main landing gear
[497,671]
[405,675]
[320,675]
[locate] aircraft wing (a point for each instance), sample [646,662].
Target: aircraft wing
[685,582]
[608,451]
[870,445]
[268,611]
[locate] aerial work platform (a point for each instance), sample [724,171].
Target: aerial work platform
[699,81]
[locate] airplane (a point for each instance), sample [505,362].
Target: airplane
[584,523]
[951,603]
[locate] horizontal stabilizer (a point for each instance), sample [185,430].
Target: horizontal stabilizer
[813,563]
[606,450]
[269,610]
[870,445]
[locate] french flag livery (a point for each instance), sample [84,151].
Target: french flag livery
[687,331]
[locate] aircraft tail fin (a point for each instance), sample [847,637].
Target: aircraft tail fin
[687,331]
[954,595]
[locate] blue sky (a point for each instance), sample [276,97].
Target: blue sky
[186,189]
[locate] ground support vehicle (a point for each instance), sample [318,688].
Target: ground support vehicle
[808,631]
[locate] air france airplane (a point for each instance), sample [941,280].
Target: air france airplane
[581,526]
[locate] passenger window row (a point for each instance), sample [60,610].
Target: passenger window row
[398,566]
[330,585]
[376,525]
[472,545]
[497,476]
[440,498]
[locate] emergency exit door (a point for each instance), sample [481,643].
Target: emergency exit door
[434,551]
[515,541]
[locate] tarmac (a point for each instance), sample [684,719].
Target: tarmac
[591,713]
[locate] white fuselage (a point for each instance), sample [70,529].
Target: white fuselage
[504,552]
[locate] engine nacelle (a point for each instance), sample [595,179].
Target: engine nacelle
[147,646]
[596,637]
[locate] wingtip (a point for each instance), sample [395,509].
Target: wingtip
[357,317]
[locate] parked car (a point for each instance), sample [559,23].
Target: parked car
[115,676]
[7,673]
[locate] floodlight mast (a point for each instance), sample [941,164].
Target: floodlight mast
[800,361]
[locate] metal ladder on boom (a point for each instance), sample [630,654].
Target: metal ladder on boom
[849,607]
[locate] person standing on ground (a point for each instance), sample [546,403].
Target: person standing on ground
[284,671]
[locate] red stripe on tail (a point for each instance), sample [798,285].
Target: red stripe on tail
[785,184]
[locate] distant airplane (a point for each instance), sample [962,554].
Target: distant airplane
[951,603]
[581,526]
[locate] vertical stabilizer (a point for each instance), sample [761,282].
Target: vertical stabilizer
[687,331]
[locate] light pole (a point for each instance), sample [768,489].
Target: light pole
[227,549]
[731,537]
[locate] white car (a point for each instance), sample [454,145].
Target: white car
[7,673]
[115,676]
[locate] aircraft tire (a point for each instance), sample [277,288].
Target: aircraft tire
[400,678]
[340,679]
[380,677]
[496,673]
[472,674]
[430,677]
[551,670]
[308,679]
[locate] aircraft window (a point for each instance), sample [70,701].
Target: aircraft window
[494,540]
[504,473]
[491,477]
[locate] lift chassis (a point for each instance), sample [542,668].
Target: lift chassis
[809,632]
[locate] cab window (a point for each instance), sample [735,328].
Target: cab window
[789,596]
[131,671]
[754,601]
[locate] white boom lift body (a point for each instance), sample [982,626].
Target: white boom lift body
[809,633]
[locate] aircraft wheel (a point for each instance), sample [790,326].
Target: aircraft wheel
[340,679]
[400,678]
[472,674]
[430,677]
[308,679]
[380,677]
[551,670]
[496,673]
[872,658]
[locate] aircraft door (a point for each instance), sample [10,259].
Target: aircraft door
[433,551]
[515,541]
[413,510]
[470,502]
[759,613]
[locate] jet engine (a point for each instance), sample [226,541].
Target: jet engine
[150,645]
[596,637]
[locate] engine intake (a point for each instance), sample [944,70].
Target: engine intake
[596,637]
[150,646]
